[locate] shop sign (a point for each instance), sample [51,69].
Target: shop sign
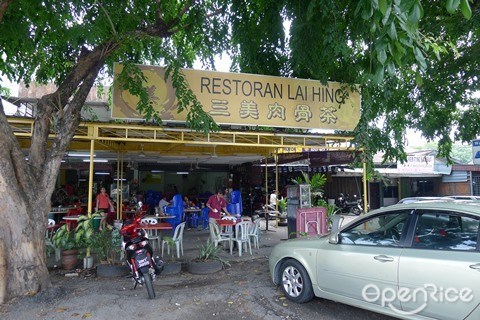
[476,151]
[247,99]
[417,164]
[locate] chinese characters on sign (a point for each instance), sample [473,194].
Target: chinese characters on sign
[246,99]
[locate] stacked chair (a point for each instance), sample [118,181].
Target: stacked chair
[175,209]
[235,204]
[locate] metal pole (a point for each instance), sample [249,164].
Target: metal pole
[90,186]
[90,179]
[365,196]
[118,182]
[120,203]
[276,183]
[266,193]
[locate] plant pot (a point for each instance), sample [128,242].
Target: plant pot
[173,267]
[112,270]
[87,262]
[204,267]
[69,259]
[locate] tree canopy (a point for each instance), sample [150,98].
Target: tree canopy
[413,59]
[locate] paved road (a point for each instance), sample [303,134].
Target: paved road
[243,291]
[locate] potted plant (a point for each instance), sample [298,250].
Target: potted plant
[107,245]
[282,205]
[69,240]
[64,239]
[208,260]
[173,266]
[84,235]
[317,183]
[282,208]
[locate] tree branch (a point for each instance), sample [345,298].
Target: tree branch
[59,99]
[182,12]
[216,12]
[68,124]
[3,7]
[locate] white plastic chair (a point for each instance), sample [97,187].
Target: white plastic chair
[241,237]
[48,238]
[153,235]
[227,231]
[177,239]
[217,237]
[253,231]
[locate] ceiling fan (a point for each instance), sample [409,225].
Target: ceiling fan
[141,154]
[197,167]
[214,153]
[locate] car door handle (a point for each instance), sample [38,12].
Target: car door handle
[383,258]
[475,266]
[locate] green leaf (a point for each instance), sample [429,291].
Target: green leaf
[379,73]
[466,10]
[419,79]
[387,15]
[420,58]
[382,6]
[391,68]
[416,13]
[382,56]
[452,5]
[392,31]
[367,11]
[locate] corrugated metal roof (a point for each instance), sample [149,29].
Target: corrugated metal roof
[456,176]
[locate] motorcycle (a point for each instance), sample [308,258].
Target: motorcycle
[138,253]
[269,212]
[346,205]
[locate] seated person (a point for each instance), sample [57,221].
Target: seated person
[186,202]
[163,203]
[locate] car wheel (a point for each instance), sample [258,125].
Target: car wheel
[296,284]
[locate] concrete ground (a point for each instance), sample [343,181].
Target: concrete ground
[193,238]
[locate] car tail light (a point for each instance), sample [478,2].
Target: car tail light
[131,247]
[143,244]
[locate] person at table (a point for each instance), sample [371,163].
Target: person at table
[163,203]
[186,202]
[104,203]
[216,203]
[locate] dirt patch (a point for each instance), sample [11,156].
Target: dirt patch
[242,291]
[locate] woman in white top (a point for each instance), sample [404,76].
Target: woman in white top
[273,198]
[163,203]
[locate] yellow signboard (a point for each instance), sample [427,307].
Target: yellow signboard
[247,99]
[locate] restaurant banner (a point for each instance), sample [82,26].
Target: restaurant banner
[248,99]
[417,164]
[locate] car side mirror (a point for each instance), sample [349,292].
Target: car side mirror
[334,238]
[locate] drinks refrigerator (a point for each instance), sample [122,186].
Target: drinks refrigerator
[298,196]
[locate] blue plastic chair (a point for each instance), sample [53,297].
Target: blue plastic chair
[175,209]
[235,205]
[203,218]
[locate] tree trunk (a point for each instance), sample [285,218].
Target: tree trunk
[23,267]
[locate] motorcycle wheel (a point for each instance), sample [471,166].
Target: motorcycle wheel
[149,284]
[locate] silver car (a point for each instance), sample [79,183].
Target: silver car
[410,261]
